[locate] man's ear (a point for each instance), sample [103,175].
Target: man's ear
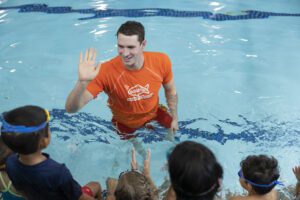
[144,43]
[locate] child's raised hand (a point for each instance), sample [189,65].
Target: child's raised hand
[147,164]
[111,185]
[296,171]
[134,165]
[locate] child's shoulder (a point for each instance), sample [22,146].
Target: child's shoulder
[240,197]
[11,160]
[53,164]
[57,168]
[237,198]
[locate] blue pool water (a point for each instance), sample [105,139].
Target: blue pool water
[235,64]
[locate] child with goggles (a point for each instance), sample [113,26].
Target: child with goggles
[259,175]
[25,130]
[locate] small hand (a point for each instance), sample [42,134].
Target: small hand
[296,171]
[147,164]
[111,185]
[134,165]
[86,67]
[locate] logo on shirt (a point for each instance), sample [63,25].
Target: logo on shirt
[138,92]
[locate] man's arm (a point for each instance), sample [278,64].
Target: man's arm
[78,97]
[87,71]
[172,101]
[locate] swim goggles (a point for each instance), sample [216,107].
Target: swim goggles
[6,127]
[127,171]
[276,182]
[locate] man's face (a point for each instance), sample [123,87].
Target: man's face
[130,50]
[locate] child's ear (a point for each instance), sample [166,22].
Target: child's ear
[245,185]
[44,142]
[248,187]
[220,183]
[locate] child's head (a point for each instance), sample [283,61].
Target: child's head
[4,152]
[194,171]
[133,185]
[259,173]
[25,130]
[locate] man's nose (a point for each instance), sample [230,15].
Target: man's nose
[125,52]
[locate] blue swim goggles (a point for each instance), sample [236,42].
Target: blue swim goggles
[276,182]
[6,127]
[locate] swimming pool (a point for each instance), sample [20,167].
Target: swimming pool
[235,66]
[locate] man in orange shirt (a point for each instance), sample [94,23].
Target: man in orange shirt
[131,80]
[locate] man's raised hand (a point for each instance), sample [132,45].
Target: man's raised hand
[87,70]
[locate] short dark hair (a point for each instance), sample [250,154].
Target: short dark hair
[260,169]
[130,28]
[25,143]
[4,152]
[134,186]
[194,171]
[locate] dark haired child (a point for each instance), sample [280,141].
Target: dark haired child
[194,171]
[25,130]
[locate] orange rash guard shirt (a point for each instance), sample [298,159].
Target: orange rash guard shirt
[133,94]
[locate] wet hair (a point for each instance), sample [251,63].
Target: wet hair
[194,171]
[260,169]
[134,186]
[4,152]
[25,143]
[130,28]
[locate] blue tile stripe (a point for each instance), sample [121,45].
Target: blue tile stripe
[147,12]
[91,128]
